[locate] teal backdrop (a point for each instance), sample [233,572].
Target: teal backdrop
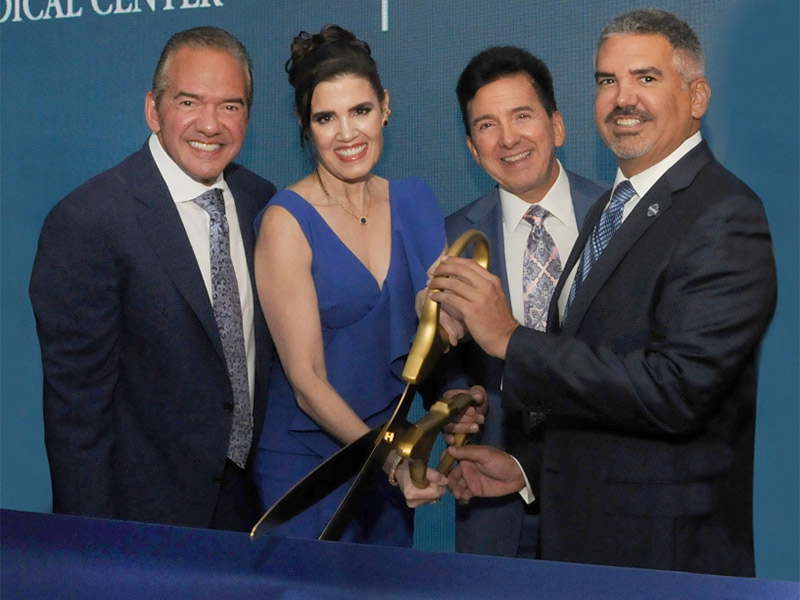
[73,77]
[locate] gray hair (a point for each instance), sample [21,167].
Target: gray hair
[205,37]
[688,52]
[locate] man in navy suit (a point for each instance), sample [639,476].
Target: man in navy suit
[513,128]
[647,373]
[138,397]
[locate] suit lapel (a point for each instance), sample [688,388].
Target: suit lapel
[583,198]
[651,207]
[587,211]
[162,226]
[487,216]
[620,245]
[245,211]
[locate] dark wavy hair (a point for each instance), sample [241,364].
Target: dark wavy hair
[502,61]
[323,56]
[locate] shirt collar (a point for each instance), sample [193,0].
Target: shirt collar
[642,182]
[557,201]
[181,187]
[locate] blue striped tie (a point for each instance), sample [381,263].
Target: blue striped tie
[228,315]
[609,222]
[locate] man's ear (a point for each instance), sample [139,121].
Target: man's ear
[151,114]
[559,132]
[473,150]
[701,96]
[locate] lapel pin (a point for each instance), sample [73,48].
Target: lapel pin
[652,210]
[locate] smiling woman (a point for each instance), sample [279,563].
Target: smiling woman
[340,258]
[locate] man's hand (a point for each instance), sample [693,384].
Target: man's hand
[452,322]
[470,420]
[470,290]
[483,472]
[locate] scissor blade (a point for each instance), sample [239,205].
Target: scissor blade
[354,499]
[320,482]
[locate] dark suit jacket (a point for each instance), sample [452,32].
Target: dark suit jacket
[650,384]
[137,400]
[492,525]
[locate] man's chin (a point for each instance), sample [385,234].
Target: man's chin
[628,149]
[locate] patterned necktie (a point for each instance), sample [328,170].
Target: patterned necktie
[541,268]
[603,231]
[228,315]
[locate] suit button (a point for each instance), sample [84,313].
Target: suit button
[228,406]
[218,479]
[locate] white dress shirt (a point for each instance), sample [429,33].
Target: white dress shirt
[560,224]
[183,190]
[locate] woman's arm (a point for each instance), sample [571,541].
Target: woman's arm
[289,300]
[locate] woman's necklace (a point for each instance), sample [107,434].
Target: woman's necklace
[361,219]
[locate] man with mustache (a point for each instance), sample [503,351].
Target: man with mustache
[647,372]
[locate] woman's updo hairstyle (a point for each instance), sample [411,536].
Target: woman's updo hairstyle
[324,56]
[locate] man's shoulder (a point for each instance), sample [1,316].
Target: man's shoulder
[584,185]
[715,177]
[111,184]
[242,179]
[700,176]
[475,211]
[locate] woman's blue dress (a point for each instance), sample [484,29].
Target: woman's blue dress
[366,333]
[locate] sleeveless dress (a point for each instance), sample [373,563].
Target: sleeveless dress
[366,332]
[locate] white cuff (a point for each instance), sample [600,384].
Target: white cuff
[525,493]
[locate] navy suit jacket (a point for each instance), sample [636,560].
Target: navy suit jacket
[493,525]
[137,399]
[649,385]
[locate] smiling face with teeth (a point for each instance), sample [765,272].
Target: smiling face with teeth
[347,126]
[513,138]
[644,109]
[201,118]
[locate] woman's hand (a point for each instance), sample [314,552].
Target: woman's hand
[449,319]
[415,497]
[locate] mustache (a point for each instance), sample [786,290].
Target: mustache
[628,111]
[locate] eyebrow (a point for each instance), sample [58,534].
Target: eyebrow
[331,113]
[641,71]
[516,109]
[368,103]
[181,94]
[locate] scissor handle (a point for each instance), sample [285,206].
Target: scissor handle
[431,341]
[447,462]
[417,443]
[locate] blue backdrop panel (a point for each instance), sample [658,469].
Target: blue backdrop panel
[72,86]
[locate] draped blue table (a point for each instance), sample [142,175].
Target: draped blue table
[45,556]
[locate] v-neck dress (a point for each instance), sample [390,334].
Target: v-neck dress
[366,333]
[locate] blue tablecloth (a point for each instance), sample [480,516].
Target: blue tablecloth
[44,556]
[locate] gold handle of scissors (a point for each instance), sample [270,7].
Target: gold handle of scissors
[431,340]
[447,462]
[417,443]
